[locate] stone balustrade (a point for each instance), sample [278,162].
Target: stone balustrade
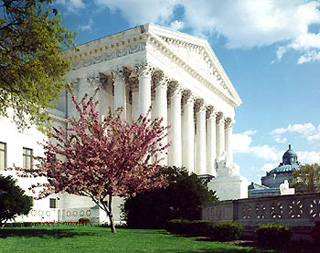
[299,211]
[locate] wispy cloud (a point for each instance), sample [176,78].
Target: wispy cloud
[71,5]
[86,27]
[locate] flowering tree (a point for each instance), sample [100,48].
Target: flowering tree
[102,159]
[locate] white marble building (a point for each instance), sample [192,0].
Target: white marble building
[180,76]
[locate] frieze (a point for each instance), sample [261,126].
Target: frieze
[131,49]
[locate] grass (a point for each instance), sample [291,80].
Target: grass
[98,239]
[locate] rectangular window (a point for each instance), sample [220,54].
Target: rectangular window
[27,158]
[3,155]
[53,203]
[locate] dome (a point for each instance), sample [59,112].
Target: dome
[289,162]
[289,157]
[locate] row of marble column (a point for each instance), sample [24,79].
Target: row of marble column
[198,133]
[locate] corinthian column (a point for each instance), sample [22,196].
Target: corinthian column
[201,152]
[145,72]
[211,141]
[119,99]
[175,119]
[220,134]
[228,141]
[188,131]
[135,100]
[161,111]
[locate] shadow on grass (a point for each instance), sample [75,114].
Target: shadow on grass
[41,233]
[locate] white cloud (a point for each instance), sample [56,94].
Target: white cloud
[309,57]
[268,166]
[245,23]
[308,157]
[176,25]
[86,27]
[241,143]
[304,129]
[71,5]
[281,140]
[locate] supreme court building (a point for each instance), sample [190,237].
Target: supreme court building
[181,77]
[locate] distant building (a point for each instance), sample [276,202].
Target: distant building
[274,178]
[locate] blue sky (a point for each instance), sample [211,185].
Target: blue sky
[270,50]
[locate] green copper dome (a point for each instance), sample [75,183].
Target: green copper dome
[289,162]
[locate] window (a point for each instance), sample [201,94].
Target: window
[53,203]
[27,158]
[3,155]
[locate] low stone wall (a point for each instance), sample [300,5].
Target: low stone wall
[299,211]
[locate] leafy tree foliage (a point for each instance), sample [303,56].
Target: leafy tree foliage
[307,178]
[31,66]
[102,159]
[182,199]
[13,201]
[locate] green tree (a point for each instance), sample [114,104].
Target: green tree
[182,199]
[32,68]
[306,179]
[13,201]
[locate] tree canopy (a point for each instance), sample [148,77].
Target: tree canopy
[31,65]
[102,159]
[13,201]
[306,179]
[182,199]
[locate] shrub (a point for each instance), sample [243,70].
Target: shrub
[182,199]
[84,220]
[226,231]
[273,235]
[189,228]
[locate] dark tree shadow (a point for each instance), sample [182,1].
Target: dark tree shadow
[41,233]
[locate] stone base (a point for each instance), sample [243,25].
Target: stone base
[228,188]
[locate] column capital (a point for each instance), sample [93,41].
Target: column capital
[118,73]
[211,112]
[229,123]
[199,105]
[187,97]
[94,79]
[175,89]
[220,118]
[144,69]
[75,84]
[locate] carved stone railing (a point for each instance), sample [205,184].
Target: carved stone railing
[299,211]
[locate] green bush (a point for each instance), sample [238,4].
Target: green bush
[84,220]
[226,231]
[182,199]
[189,228]
[273,235]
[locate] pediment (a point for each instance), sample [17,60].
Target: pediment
[198,54]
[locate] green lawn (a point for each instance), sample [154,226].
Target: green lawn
[97,239]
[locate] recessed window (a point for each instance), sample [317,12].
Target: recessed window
[3,155]
[27,158]
[53,203]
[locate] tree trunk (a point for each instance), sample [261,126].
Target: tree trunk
[110,214]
